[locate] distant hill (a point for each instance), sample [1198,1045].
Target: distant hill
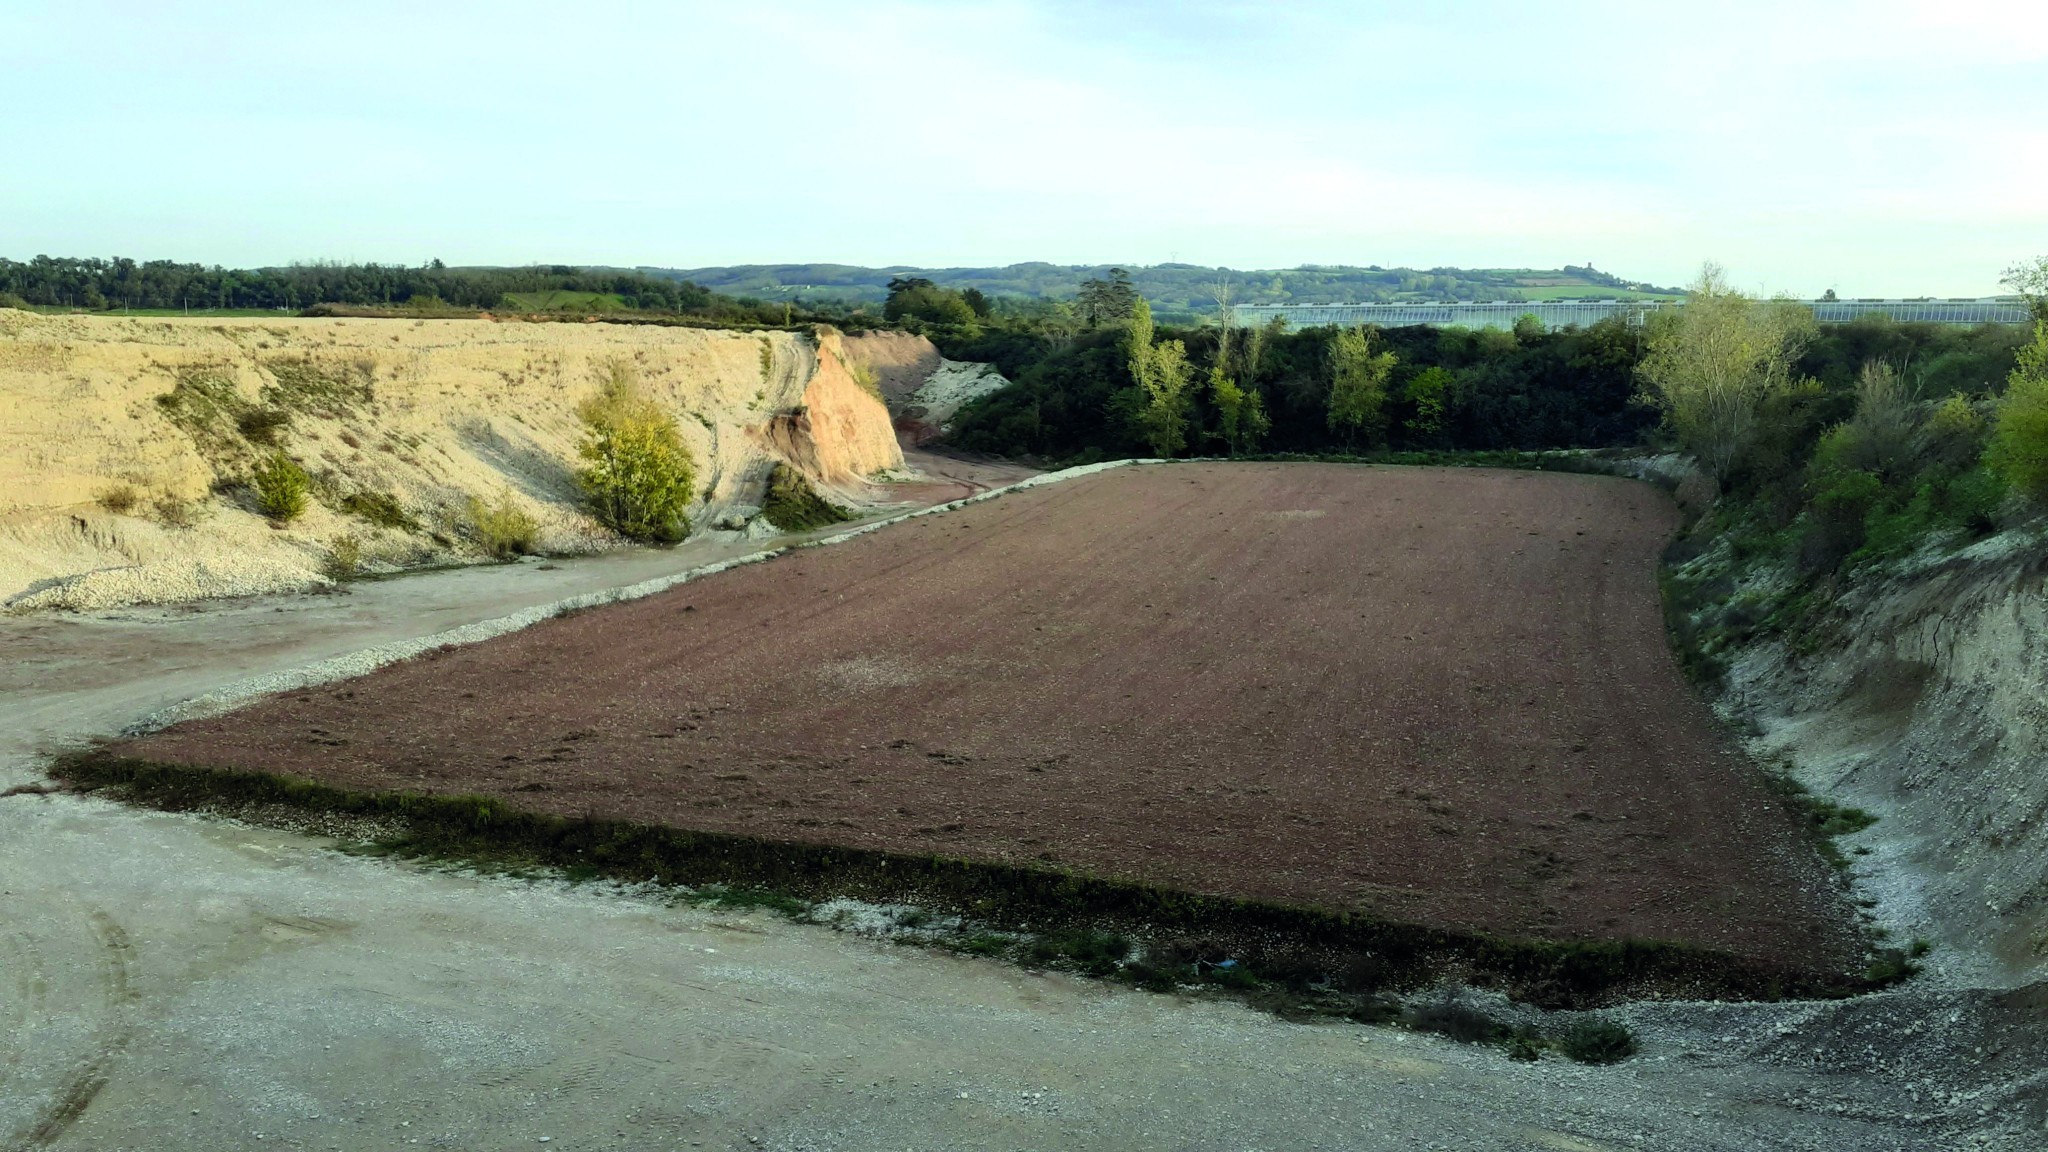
[1172,287]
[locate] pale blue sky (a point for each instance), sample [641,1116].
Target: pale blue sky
[1876,148]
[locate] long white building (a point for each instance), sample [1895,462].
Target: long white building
[1555,314]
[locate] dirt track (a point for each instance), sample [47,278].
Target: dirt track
[1438,695]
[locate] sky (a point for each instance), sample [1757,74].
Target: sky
[1876,148]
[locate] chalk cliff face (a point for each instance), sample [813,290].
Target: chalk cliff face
[121,439]
[837,432]
[922,388]
[1934,716]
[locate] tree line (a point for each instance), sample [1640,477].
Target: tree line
[1099,378]
[1834,446]
[110,284]
[1841,443]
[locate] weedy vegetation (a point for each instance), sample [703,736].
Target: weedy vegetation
[119,498]
[503,530]
[793,505]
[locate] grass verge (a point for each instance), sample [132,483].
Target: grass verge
[1287,954]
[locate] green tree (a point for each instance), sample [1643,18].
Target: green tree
[1159,375]
[640,476]
[1107,301]
[1358,386]
[1429,398]
[2029,278]
[1709,365]
[2019,439]
[918,298]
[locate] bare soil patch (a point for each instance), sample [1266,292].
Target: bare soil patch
[1438,696]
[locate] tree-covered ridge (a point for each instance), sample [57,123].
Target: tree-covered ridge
[100,284]
[1169,288]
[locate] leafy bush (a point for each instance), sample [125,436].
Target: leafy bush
[1595,1041]
[2019,442]
[503,530]
[1953,435]
[1892,965]
[281,487]
[1089,951]
[794,506]
[1972,499]
[641,476]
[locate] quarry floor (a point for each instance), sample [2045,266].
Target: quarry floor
[1440,696]
[179,981]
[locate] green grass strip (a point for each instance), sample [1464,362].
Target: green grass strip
[1551,974]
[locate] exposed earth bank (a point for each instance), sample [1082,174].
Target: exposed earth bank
[922,388]
[125,441]
[1927,705]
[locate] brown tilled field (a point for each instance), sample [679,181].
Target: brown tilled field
[1438,695]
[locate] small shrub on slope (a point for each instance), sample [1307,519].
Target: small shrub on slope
[869,380]
[345,558]
[281,487]
[120,499]
[261,425]
[503,530]
[381,509]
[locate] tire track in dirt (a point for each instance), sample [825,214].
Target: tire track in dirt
[115,986]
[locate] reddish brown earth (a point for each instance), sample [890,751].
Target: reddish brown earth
[1440,696]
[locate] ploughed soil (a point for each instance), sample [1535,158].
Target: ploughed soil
[1437,695]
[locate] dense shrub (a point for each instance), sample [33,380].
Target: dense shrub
[794,506]
[1596,1041]
[1460,1022]
[345,558]
[2019,443]
[640,476]
[281,487]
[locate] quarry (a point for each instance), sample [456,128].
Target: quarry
[1114,797]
